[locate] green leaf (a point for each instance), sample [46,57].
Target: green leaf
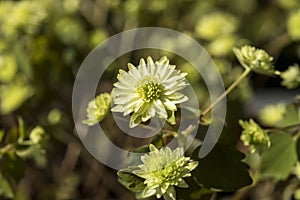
[8,67]
[12,165]
[142,149]
[290,117]
[131,181]
[23,59]
[12,135]
[35,152]
[22,131]
[298,148]
[13,95]
[171,117]
[278,161]
[158,140]
[193,192]
[222,169]
[2,134]
[134,156]
[5,188]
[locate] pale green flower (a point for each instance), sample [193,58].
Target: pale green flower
[54,116]
[222,46]
[271,114]
[70,31]
[163,170]
[253,135]
[193,75]
[22,15]
[71,6]
[97,109]
[97,36]
[293,25]
[8,67]
[288,4]
[14,94]
[256,59]
[291,77]
[149,90]
[37,135]
[215,25]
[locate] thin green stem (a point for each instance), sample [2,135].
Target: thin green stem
[286,128]
[6,148]
[229,89]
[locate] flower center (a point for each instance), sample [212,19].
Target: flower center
[150,91]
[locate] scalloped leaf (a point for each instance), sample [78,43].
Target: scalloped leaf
[131,181]
[291,116]
[278,161]
[222,169]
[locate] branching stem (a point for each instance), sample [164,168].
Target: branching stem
[229,89]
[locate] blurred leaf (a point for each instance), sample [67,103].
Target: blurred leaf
[135,158]
[67,188]
[158,140]
[298,148]
[35,152]
[278,161]
[22,59]
[193,192]
[12,135]
[34,148]
[22,133]
[8,68]
[2,134]
[12,165]
[202,193]
[5,188]
[142,149]
[13,95]
[222,169]
[290,116]
[131,181]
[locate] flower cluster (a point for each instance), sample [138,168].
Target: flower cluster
[163,170]
[293,24]
[149,90]
[98,109]
[272,114]
[215,25]
[257,60]
[253,135]
[291,77]
[23,15]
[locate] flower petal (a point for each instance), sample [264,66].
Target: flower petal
[159,107]
[169,104]
[170,194]
[148,192]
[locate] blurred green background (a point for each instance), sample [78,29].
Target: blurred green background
[43,43]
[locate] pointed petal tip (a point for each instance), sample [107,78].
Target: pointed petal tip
[130,66]
[142,61]
[149,60]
